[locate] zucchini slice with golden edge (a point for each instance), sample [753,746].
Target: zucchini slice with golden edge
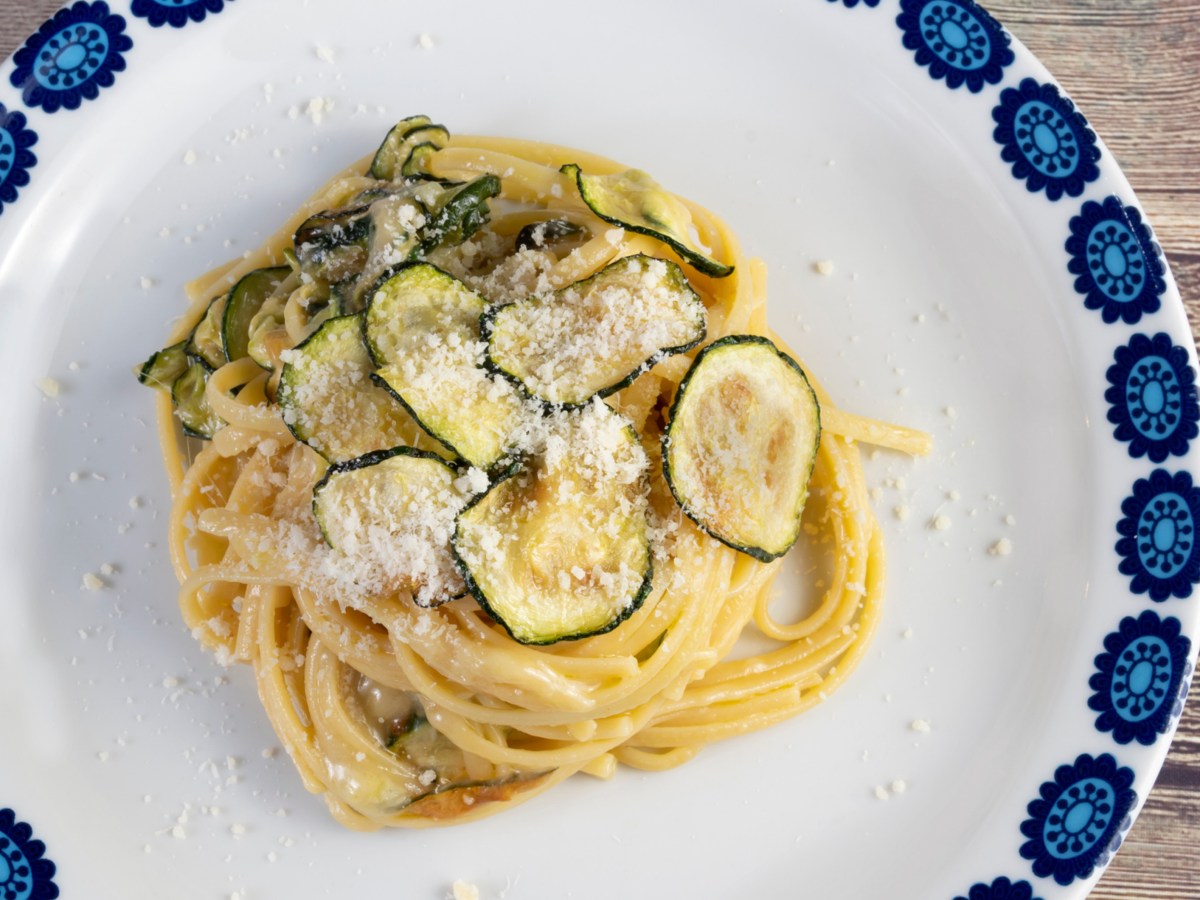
[245,300]
[596,336]
[422,329]
[741,443]
[397,150]
[633,200]
[191,405]
[559,547]
[329,401]
[392,513]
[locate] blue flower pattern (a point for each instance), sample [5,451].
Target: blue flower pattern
[1152,398]
[1158,535]
[16,159]
[1077,821]
[957,39]
[1140,678]
[1117,264]
[1049,144]
[850,4]
[1000,889]
[25,873]
[71,57]
[175,13]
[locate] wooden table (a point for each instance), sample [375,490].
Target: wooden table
[1133,67]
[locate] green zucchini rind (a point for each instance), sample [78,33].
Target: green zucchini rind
[191,405]
[417,164]
[635,201]
[422,331]
[164,366]
[394,510]
[739,449]
[559,547]
[397,148]
[328,399]
[598,335]
[245,300]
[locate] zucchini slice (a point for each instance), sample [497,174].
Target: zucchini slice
[422,329]
[394,238]
[392,512]
[633,200]
[332,245]
[164,366]
[559,548]
[329,400]
[205,340]
[459,212]
[739,449]
[562,235]
[245,300]
[596,336]
[417,164]
[266,335]
[397,148]
[191,406]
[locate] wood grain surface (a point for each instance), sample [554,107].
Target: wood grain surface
[1133,68]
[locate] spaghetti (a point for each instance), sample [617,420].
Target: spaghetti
[412,715]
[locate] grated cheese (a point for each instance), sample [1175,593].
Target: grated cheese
[588,336]
[49,386]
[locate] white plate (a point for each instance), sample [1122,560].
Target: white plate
[818,134]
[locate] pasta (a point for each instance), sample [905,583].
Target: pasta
[410,714]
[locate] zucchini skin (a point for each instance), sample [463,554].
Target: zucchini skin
[487,324]
[695,259]
[756,552]
[387,163]
[286,386]
[378,380]
[164,366]
[189,410]
[498,469]
[481,598]
[208,329]
[380,362]
[553,231]
[462,214]
[242,305]
[365,461]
